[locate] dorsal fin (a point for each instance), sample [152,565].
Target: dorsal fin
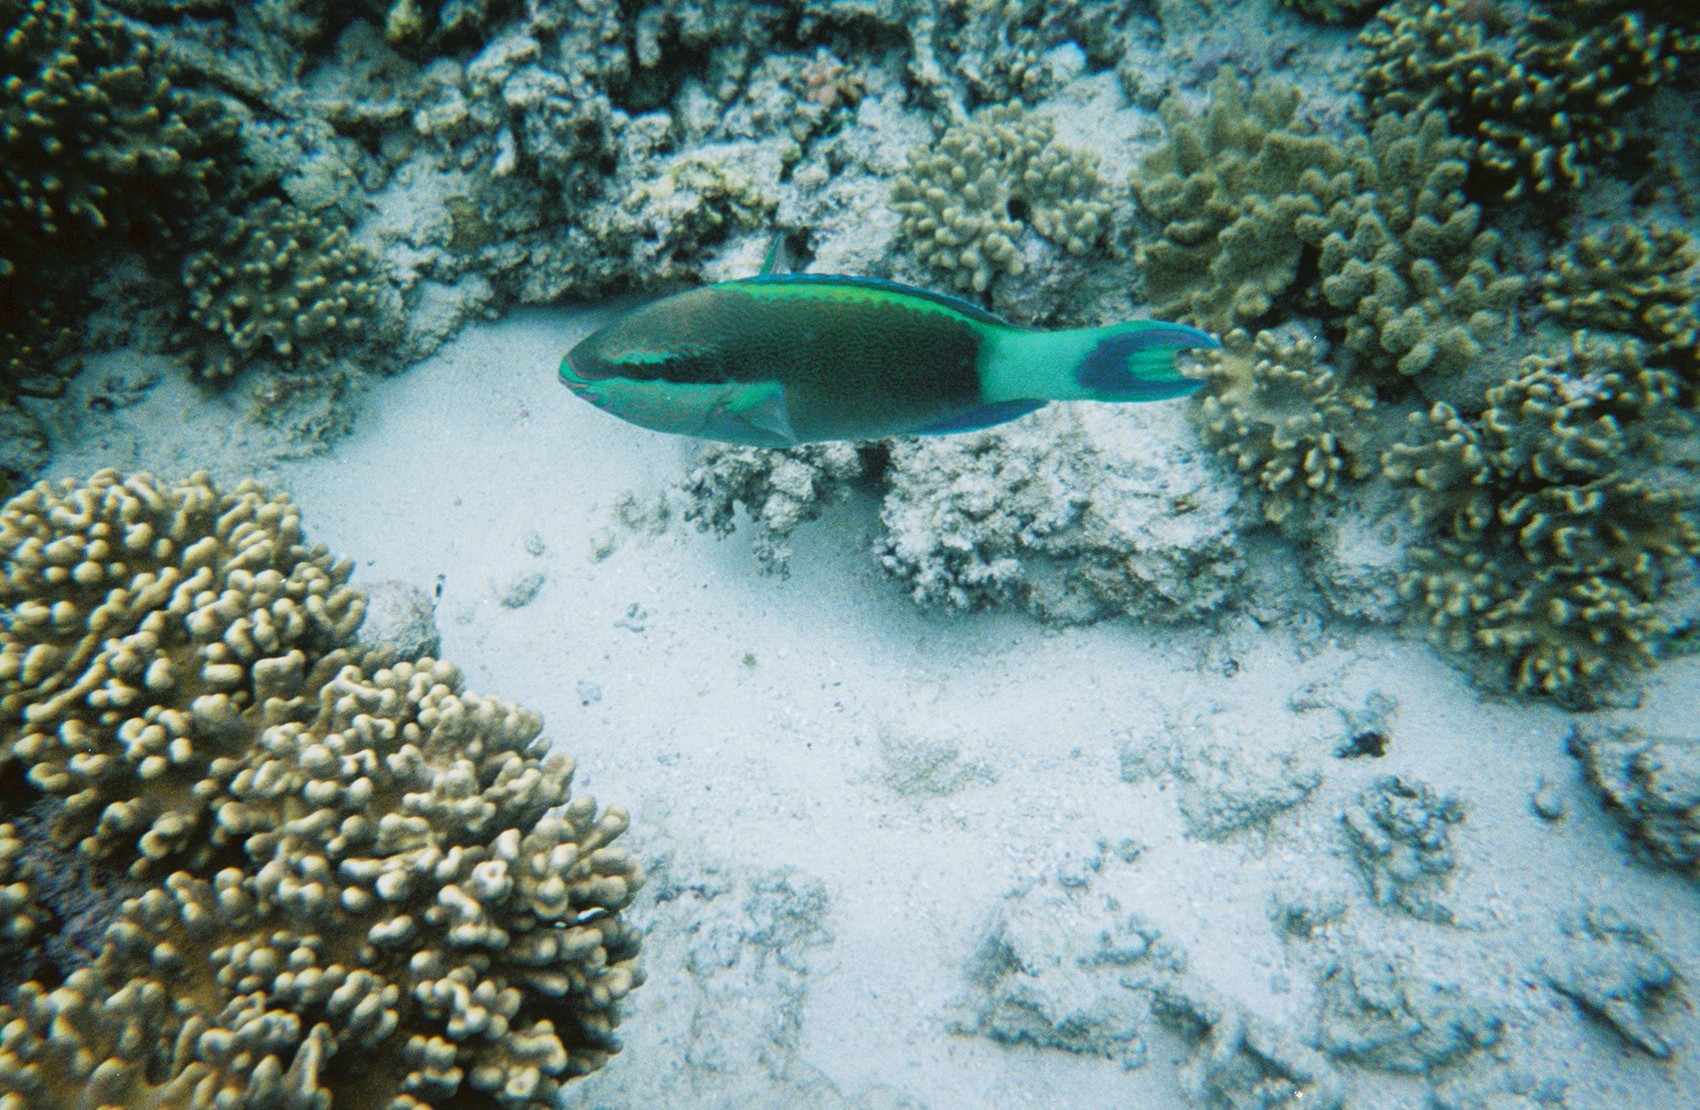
[777,263]
[885,285]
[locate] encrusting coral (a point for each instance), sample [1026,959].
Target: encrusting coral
[279,283]
[364,883]
[967,201]
[1284,420]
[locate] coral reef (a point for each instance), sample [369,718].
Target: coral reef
[1652,784]
[1229,190]
[1285,420]
[1066,512]
[1377,1015]
[1399,833]
[1631,282]
[967,201]
[1615,972]
[98,146]
[1404,258]
[1552,543]
[1335,11]
[278,283]
[778,489]
[1543,100]
[357,879]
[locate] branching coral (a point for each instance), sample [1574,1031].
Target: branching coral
[966,202]
[1634,282]
[1550,551]
[1229,189]
[1543,101]
[149,627]
[1284,420]
[283,284]
[1404,257]
[96,141]
[377,888]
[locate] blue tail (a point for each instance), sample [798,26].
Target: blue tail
[1136,361]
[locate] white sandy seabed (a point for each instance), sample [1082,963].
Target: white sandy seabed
[904,858]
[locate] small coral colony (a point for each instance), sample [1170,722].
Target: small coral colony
[247,858]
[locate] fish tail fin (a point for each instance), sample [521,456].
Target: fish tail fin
[1135,361]
[1132,361]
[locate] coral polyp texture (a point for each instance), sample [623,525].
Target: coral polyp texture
[1554,537]
[279,284]
[96,140]
[1544,100]
[1404,257]
[1229,189]
[1633,282]
[359,883]
[967,201]
[1284,419]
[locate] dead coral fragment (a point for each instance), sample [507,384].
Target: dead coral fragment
[779,489]
[1284,420]
[1377,1015]
[1652,784]
[279,283]
[1616,974]
[1229,190]
[1060,512]
[966,201]
[1400,834]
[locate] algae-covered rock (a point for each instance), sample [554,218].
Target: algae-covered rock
[1377,1015]
[1222,788]
[1241,1061]
[1065,967]
[1615,971]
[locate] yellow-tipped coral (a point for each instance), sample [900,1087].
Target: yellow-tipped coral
[358,882]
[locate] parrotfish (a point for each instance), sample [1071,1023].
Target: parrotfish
[783,359]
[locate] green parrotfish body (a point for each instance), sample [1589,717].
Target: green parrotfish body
[779,360]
